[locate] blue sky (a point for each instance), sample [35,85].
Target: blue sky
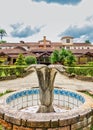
[30,20]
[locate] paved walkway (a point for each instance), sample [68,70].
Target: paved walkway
[31,81]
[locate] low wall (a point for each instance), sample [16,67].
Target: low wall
[80,117]
[25,121]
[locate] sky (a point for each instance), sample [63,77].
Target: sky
[30,20]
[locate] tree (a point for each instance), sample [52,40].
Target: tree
[70,60]
[20,60]
[2,33]
[2,41]
[30,60]
[87,41]
[64,57]
[54,58]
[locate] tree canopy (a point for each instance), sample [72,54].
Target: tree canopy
[63,56]
[87,41]
[30,60]
[20,60]
[2,33]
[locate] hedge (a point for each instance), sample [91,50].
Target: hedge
[86,71]
[9,71]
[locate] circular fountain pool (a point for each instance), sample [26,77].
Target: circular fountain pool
[73,110]
[28,100]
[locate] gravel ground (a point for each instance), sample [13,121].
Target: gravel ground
[31,81]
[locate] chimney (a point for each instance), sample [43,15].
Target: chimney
[44,38]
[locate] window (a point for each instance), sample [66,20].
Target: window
[67,40]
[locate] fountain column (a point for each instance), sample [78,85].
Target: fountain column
[46,75]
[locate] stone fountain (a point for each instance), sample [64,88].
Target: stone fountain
[73,111]
[46,76]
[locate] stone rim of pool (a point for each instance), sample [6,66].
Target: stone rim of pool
[20,118]
[85,106]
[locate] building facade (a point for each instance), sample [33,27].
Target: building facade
[43,49]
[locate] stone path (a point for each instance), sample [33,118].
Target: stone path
[31,81]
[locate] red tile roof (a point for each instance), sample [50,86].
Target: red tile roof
[66,37]
[12,51]
[82,44]
[81,51]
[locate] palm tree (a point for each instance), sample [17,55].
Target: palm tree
[2,33]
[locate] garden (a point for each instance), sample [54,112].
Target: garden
[18,69]
[64,57]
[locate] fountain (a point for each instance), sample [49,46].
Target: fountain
[46,107]
[46,76]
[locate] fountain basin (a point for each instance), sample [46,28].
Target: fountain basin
[62,98]
[73,111]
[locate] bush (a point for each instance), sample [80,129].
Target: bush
[1,61]
[30,60]
[90,63]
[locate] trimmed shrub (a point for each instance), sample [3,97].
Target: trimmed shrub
[1,70]
[19,71]
[70,70]
[12,71]
[85,71]
[6,71]
[90,64]
[30,60]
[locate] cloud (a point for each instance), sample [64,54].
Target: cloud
[90,18]
[63,2]
[22,31]
[79,32]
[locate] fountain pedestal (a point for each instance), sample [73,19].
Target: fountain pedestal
[46,76]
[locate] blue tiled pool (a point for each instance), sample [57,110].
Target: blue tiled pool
[26,98]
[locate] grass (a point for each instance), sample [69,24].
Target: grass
[6,92]
[87,93]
